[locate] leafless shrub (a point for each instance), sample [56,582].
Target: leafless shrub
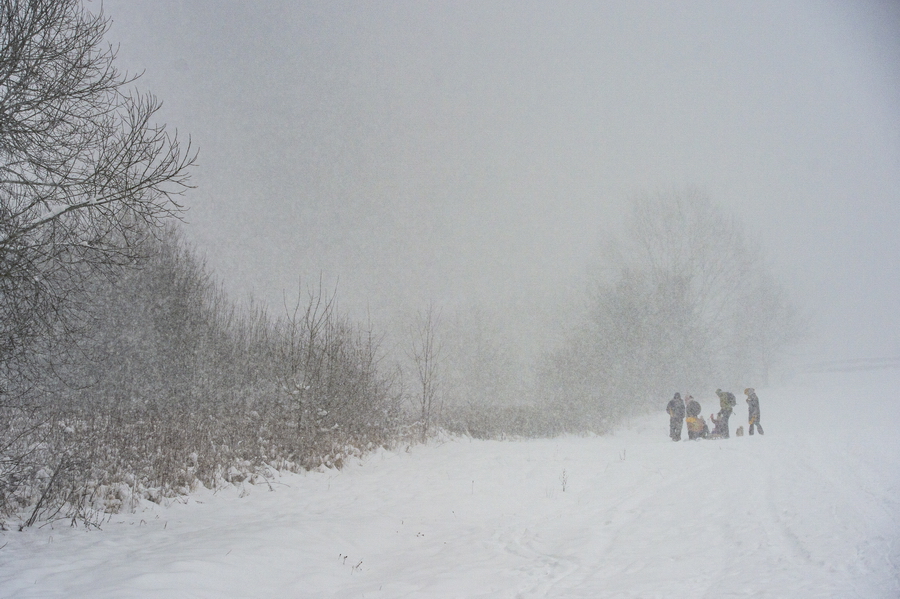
[425,354]
[175,386]
[328,372]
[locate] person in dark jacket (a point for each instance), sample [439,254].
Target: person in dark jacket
[675,409]
[696,426]
[753,404]
[727,402]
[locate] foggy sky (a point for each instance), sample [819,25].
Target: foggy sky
[477,153]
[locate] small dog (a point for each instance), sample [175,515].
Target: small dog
[739,432]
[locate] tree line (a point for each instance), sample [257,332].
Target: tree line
[170,385]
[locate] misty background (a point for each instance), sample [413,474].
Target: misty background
[479,155]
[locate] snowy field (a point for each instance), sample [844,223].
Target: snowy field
[811,509]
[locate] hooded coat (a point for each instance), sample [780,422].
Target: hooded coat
[692,408]
[753,405]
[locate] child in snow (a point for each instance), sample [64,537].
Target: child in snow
[697,428]
[753,404]
[720,431]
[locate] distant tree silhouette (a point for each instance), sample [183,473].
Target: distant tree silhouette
[692,302]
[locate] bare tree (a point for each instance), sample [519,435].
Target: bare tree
[85,175]
[692,303]
[84,171]
[328,370]
[425,352]
[729,310]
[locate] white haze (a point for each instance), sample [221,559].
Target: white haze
[474,154]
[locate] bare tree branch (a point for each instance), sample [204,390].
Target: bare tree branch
[84,170]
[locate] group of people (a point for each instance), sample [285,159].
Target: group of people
[687,411]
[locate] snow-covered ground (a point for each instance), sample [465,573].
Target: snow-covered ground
[811,509]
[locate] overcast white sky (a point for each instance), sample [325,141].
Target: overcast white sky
[474,153]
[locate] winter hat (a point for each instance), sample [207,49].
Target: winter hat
[677,395]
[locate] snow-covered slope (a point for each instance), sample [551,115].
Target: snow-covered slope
[811,509]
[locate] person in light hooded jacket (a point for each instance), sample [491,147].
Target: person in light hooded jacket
[753,405]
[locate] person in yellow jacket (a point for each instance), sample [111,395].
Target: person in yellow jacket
[696,425]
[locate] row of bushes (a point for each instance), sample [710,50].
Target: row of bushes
[168,385]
